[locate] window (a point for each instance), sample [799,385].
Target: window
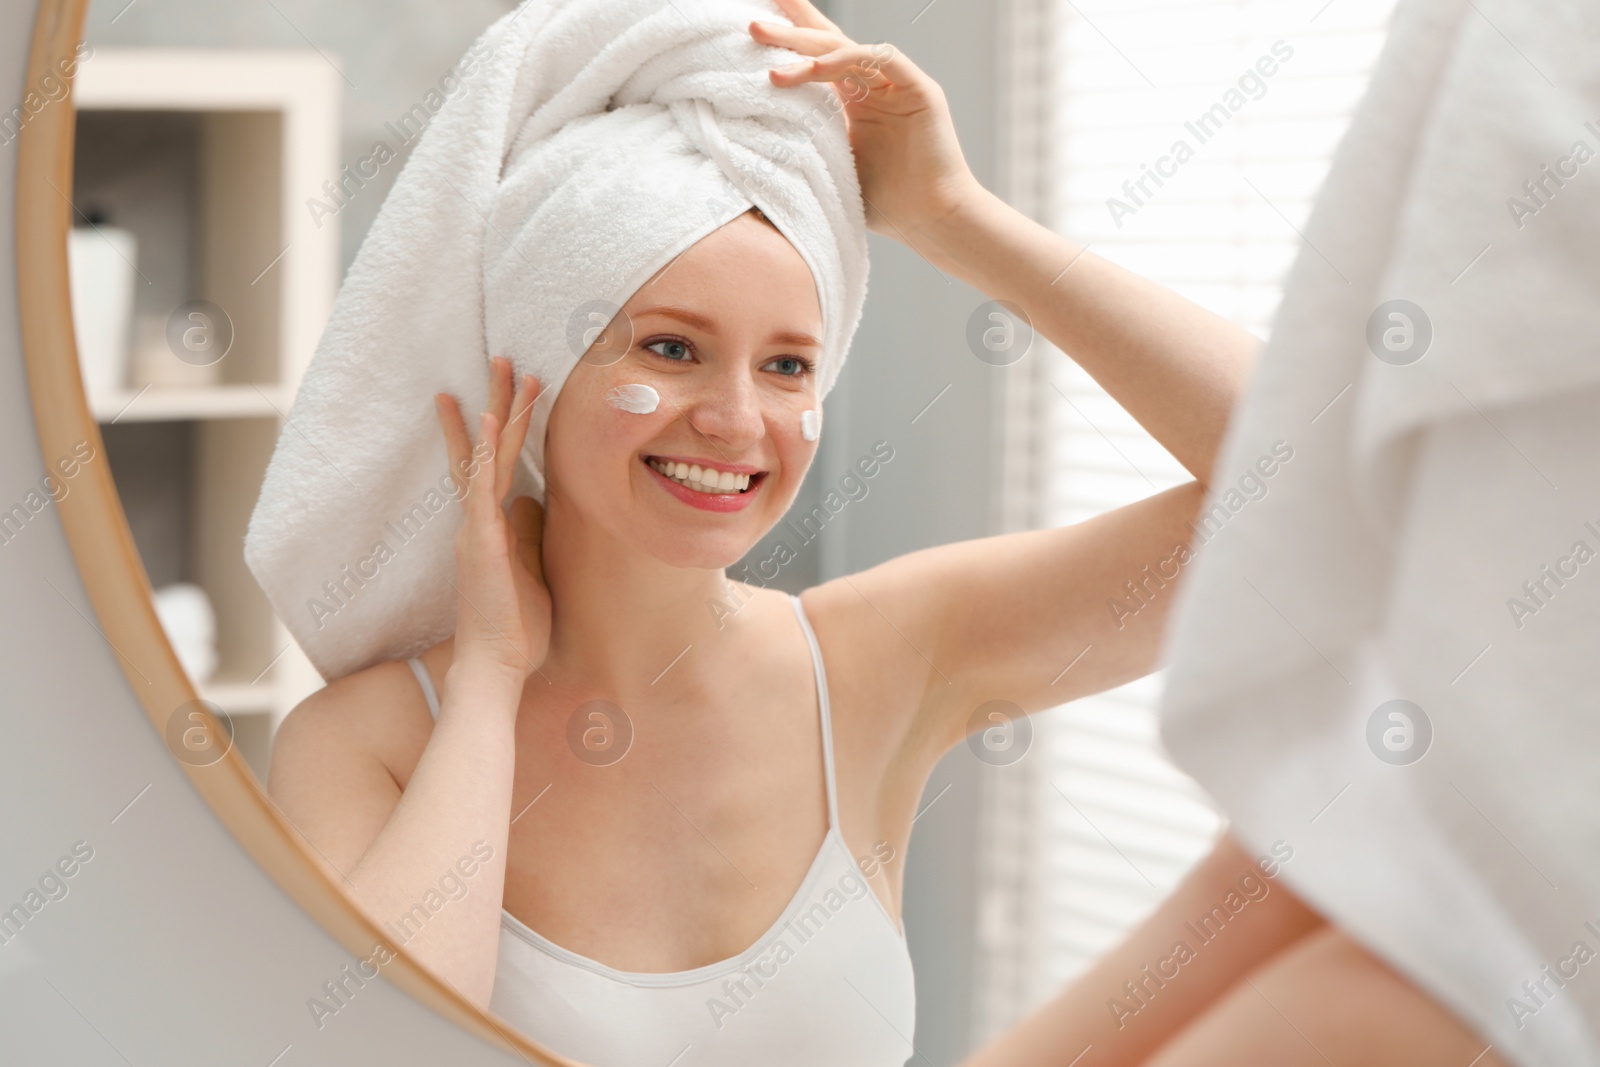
[1184,140]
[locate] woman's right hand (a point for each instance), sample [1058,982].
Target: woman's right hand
[908,158]
[503,606]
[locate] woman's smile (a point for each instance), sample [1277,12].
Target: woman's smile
[724,487]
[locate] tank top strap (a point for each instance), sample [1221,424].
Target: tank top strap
[426,682]
[824,711]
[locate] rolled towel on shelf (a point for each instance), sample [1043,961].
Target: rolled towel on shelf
[190,623]
[599,139]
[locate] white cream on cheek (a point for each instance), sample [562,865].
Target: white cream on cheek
[811,424]
[636,399]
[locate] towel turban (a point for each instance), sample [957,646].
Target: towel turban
[585,144]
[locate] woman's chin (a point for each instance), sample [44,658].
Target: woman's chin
[704,553]
[683,537]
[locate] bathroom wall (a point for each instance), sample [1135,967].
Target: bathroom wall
[941,483]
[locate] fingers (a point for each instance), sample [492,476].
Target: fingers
[465,466]
[833,54]
[480,473]
[804,13]
[458,446]
[807,42]
[499,388]
[875,64]
[503,425]
[515,433]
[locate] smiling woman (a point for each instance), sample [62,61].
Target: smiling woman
[675,436]
[702,779]
[604,596]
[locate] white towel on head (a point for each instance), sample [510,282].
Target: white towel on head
[1429,481]
[599,139]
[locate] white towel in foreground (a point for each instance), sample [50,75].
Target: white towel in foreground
[591,142]
[1390,556]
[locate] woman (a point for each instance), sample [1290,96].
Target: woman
[686,886]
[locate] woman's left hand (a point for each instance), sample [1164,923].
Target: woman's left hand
[908,157]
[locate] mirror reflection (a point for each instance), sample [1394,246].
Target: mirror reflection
[661,708]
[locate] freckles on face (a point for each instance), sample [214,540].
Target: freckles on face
[598,416]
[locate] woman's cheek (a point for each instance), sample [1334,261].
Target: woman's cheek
[634,398]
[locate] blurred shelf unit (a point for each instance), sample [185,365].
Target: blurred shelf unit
[204,159]
[155,404]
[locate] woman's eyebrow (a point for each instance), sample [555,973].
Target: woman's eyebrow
[701,322]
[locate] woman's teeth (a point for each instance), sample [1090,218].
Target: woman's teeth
[702,479]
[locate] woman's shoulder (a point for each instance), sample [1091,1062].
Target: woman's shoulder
[379,710]
[375,688]
[876,674]
[860,617]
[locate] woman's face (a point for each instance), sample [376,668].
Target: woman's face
[728,334]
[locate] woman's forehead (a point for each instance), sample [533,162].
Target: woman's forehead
[743,273]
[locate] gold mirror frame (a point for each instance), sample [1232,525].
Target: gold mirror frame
[111,569]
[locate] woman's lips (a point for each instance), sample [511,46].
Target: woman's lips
[721,502]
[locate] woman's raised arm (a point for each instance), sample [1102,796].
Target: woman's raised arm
[1174,366]
[1009,617]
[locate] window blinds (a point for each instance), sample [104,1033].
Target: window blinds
[1185,140]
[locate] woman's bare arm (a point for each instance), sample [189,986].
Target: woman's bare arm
[1005,617]
[1174,366]
[1037,618]
[428,865]
[455,814]
[1081,1019]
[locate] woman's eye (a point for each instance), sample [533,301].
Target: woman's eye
[675,343]
[799,366]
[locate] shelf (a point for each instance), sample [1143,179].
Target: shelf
[207,156]
[241,698]
[166,403]
[266,124]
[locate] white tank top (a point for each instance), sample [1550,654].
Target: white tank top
[830,981]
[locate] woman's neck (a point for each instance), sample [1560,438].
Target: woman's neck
[622,619]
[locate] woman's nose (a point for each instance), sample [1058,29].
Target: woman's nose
[727,408]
